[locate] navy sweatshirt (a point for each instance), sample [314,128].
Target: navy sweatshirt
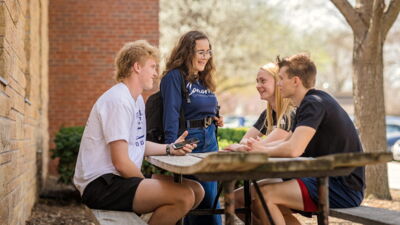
[203,103]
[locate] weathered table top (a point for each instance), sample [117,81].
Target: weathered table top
[231,166]
[243,165]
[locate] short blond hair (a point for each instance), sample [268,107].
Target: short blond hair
[132,52]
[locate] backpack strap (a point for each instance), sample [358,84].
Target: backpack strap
[217,115]
[185,93]
[185,97]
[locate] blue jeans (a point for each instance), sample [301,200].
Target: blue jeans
[208,143]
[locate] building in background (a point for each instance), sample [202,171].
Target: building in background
[84,37]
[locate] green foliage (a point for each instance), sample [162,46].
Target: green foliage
[68,140]
[67,147]
[227,136]
[231,134]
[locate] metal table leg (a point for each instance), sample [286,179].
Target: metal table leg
[215,203]
[178,179]
[271,221]
[229,198]
[323,202]
[247,202]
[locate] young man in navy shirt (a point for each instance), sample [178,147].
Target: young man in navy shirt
[321,127]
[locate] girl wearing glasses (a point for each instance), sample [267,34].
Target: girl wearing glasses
[187,88]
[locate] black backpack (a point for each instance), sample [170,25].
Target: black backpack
[154,115]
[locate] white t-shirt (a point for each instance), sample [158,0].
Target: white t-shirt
[115,116]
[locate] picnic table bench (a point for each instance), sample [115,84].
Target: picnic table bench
[228,167]
[108,217]
[368,215]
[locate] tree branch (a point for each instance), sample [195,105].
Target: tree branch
[377,12]
[351,16]
[390,16]
[374,31]
[364,9]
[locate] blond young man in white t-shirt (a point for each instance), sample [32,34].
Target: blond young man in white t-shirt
[113,145]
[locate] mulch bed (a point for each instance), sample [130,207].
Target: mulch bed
[59,204]
[52,212]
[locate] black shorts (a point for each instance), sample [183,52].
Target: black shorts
[111,192]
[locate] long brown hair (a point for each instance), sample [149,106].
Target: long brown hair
[283,106]
[182,58]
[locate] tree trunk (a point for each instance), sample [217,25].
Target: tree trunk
[370,22]
[369,107]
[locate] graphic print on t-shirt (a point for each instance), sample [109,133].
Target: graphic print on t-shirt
[140,138]
[197,90]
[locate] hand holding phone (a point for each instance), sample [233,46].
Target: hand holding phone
[181,144]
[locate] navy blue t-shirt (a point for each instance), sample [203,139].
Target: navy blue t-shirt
[286,123]
[203,103]
[335,132]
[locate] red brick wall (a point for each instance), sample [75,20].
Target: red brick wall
[84,37]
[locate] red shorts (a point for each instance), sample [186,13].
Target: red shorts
[308,203]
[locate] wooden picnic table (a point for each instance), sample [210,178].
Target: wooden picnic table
[229,167]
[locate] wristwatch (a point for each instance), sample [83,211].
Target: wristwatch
[168,149]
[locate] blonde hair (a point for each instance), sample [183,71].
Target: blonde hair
[132,52]
[283,106]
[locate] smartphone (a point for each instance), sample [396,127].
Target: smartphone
[183,143]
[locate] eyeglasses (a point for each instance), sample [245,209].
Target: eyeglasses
[204,54]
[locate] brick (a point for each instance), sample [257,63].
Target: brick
[18,83]
[4,64]
[16,100]
[14,145]
[13,8]
[7,172]
[5,135]
[24,64]
[5,157]
[5,105]
[4,211]
[2,21]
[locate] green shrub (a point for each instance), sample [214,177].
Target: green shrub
[227,136]
[68,140]
[67,148]
[231,134]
